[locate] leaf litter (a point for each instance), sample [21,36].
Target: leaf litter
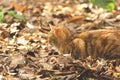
[25,53]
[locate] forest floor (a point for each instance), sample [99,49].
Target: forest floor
[25,53]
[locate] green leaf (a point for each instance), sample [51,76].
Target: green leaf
[0,8]
[1,16]
[14,14]
[21,18]
[106,4]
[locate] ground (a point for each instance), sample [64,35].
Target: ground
[25,53]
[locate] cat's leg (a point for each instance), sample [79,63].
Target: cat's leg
[79,49]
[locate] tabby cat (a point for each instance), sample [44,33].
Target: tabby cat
[95,43]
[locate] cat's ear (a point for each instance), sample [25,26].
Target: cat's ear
[53,28]
[56,30]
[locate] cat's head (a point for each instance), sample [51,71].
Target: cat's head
[58,35]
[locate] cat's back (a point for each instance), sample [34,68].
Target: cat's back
[101,43]
[103,33]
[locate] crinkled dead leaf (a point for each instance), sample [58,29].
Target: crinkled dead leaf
[17,59]
[17,6]
[30,25]
[22,40]
[117,68]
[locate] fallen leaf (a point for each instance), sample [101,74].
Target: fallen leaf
[17,6]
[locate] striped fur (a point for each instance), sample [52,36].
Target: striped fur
[95,43]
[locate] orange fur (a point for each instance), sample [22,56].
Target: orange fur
[95,43]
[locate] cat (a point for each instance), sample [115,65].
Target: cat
[95,43]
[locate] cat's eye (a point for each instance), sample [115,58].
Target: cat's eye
[52,40]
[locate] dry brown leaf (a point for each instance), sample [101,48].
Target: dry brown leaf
[17,59]
[76,18]
[117,68]
[9,77]
[17,6]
